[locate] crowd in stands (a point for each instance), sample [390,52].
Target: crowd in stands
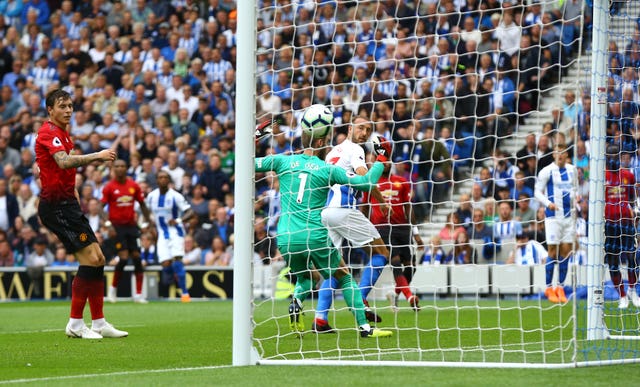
[445,80]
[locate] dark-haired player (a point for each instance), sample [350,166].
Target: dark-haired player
[619,227]
[121,194]
[556,190]
[59,210]
[396,229]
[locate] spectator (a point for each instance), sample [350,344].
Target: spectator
[148,254]
[527,251]
[193,255]
[216,181]
[9,209]
[36,261]
[6,255]
[451,228]
[506,227]
[434,169]
[26,202]
[524,212]
[175,171]
[8,155]
[434,254]
[217,255]
[462,252]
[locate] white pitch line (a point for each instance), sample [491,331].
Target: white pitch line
[123,373]
[59,330]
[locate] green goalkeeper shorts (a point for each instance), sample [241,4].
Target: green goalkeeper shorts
[303,258]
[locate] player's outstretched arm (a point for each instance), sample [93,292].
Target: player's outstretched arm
[338,175]
[66,161]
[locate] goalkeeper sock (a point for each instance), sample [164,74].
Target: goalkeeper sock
[371,273]
[325,297]
[563,269]
[353,298]
[548,269]
[181,275]
[403,285]
[303,288]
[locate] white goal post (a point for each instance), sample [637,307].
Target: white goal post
[485,313]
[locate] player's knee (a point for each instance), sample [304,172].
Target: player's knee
[396,261]
[380,248]
[341,272]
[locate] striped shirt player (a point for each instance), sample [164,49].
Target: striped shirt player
[341,216]
[558,186]
[169,209]
[166,207]
[556,190]
[529,252]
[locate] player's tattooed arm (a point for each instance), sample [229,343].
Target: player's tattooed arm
[66,161]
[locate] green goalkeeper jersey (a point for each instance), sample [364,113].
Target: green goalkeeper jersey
[304,184]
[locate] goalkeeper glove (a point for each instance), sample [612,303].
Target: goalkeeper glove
[264,129]
[382,147]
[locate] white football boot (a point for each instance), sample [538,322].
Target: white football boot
[82,333]
[108,331]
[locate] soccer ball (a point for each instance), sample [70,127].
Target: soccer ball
[317,121]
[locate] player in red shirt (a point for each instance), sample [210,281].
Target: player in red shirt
[619,226]
[59,210]
[395,227]
[121,194]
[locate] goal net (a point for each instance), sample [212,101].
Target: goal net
[474,96]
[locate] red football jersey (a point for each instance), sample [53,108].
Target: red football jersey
[121,199]
[618,193]
[57,184]
[397,191]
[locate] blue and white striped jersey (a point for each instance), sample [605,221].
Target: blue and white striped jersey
[557,185]
[215,70]
[165,207]
[43,77]
[532,253]
[348,156]
[506,229]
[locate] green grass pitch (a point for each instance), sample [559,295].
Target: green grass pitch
[172,343]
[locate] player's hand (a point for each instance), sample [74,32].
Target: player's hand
[552,207]
[265,128]
[382,147]
[107,155]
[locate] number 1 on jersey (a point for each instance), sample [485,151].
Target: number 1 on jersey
[303,182]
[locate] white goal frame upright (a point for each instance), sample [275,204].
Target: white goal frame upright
[243,346]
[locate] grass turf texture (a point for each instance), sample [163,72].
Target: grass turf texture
[173,343]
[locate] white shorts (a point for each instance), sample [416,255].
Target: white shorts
[170,248]
[349,224]
[560,230]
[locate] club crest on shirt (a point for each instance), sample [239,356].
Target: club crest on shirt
[83,237]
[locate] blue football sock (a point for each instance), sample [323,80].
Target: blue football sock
[548,268]
[370,274]
[325,298]
[181,275]
[563,269]
[167,275]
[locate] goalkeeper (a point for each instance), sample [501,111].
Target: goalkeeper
[305,180]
